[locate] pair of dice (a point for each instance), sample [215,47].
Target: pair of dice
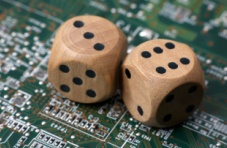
[161,80]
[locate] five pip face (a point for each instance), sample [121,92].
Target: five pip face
[161,80]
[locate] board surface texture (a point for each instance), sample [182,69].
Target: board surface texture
[33,114]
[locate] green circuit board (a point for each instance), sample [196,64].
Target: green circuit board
[33,114]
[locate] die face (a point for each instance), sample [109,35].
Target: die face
[79,81]
[135,93]
[78,70]
[90,35]
[178,104]
[165,59]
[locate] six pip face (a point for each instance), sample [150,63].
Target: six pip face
[165,58]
